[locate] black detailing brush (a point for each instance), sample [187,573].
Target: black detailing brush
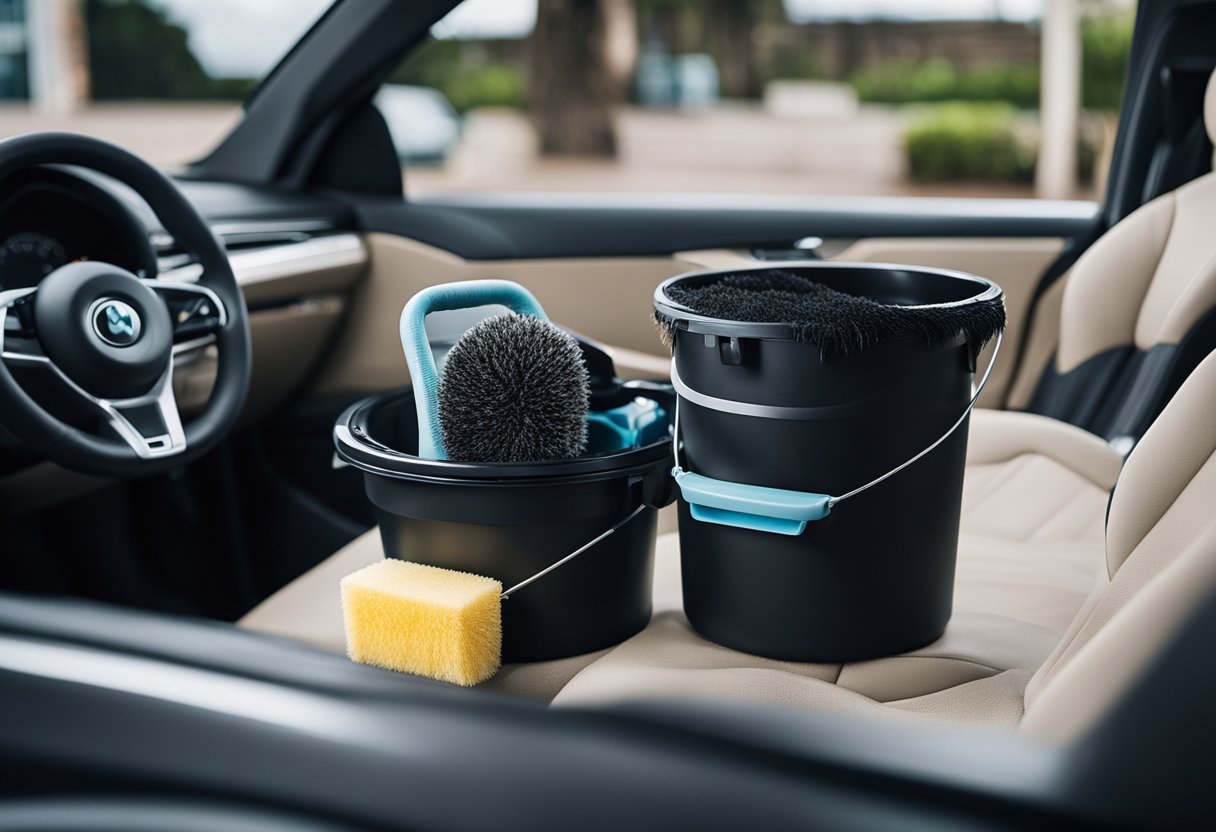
[514,388]
[837,322]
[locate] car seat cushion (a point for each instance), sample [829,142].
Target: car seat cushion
[1033,517]
[975,672]
[309,610]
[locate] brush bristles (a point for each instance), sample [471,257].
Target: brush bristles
[837,322]
[514,389]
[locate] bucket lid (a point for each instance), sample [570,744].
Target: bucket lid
[936,298]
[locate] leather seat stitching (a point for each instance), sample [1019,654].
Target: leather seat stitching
[1056,512]
[1000,481]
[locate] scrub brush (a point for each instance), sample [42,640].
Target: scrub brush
[514,388]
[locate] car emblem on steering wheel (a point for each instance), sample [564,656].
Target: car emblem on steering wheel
[116,323]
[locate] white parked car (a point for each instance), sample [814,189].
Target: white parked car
[424,125]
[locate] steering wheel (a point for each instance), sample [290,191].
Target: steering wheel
[112,337]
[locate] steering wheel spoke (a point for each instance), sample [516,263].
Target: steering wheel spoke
[18,340]
[196,312]
[150,424]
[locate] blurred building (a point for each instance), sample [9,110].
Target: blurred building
[14,51]
[840,48]
[43,54]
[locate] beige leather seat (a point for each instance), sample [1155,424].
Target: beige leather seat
[309,610]
[1036,489]
[1034,513]
[1160,561]
[999,670]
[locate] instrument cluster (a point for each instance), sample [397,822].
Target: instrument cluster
[50,217]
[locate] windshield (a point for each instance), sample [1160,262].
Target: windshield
[848,97]
[163,78]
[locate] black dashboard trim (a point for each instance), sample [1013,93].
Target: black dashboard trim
[517,226]
[68,184]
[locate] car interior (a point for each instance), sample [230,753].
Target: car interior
[172,646]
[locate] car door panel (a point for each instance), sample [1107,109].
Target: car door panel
[605,298]
[608,296]
[512,226]
[1016,263]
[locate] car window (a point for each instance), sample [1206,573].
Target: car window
[164,78]
[888,97]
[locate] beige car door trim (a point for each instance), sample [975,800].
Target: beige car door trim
[607,299]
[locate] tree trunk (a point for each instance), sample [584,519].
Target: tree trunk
[733,34]
[572,88]
[730,27]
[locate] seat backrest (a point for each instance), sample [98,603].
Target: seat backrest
[1138,312]
[1161,562]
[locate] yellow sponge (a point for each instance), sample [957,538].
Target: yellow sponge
[424,620]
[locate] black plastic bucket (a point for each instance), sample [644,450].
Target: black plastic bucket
[510,521]
[874,576]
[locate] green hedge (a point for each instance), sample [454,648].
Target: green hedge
[135,51]
[967,141]
[939,81]
[462,73]
[1105,42]
[494,85]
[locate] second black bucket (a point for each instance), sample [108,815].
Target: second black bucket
[509,521]
[760,410]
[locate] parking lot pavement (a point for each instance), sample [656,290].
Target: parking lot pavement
[730,149]
[166,134]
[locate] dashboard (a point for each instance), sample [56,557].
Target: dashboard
[50,217]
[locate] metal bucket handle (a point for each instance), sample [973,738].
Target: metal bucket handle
[778,510]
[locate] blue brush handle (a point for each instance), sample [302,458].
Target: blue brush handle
[418,355]
[752,507]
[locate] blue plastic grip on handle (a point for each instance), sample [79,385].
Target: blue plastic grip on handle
[631,425]
[418,356]
[752,507]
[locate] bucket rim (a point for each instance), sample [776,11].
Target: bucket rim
[355,446]
[686,319]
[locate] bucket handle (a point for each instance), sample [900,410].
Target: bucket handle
[421,361]
[563,561]
[778,510]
